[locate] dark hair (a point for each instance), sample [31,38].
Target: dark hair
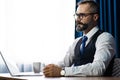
[94,7]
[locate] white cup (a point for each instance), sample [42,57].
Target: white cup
[36,67]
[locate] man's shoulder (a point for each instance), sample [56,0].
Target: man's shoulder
[76,40]
[106,35]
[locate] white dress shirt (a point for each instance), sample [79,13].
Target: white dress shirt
[105,50]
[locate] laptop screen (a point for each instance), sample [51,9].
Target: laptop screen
[11,66]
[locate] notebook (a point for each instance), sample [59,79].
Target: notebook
[13,69]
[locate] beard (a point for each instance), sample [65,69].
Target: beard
[81,26]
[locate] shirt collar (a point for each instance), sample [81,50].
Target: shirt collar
[92,32]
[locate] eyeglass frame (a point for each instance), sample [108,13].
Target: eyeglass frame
[82,15]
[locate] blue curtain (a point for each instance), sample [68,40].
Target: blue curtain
[109,20]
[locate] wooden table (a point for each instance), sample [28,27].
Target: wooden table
[57,78]
[73,78]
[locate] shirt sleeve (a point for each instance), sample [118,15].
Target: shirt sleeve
[68,59]
[105,50]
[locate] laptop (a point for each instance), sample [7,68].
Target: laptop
[14,71]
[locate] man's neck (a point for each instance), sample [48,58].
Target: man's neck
[89,28]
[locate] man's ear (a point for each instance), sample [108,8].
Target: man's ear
[96,17]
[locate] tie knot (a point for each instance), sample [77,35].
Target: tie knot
[84,38]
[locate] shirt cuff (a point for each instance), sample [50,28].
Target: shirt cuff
[73,71]
[68,71]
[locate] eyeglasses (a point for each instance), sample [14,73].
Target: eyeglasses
[82,15]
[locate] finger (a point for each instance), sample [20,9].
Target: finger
[48,74]
[47,70]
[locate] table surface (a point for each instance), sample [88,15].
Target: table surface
[59,78]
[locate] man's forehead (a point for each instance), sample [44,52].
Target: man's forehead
[83,8]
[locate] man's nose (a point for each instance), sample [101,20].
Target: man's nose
[77,18]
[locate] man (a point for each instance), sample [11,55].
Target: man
[99,50]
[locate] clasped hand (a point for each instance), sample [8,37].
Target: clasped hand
[52,70]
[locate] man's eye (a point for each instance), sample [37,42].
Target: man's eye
[82,14]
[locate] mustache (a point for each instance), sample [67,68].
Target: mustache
[79,23]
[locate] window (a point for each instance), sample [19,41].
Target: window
[36,30]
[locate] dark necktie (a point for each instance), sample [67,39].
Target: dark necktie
[82,46]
